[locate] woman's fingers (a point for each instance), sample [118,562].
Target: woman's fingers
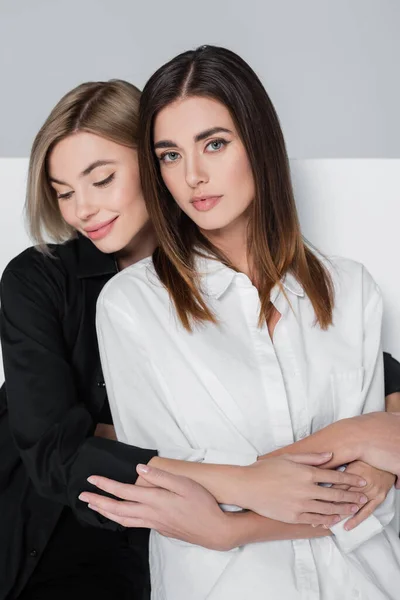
[123,491]
[162,479]
[124,521]
[337,477]
[117,507]
[153,476]
[309,458]
[362,514]
[316,520]
[338,495]
[330,508]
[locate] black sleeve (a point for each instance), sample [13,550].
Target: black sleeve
[392,374]
[52,429]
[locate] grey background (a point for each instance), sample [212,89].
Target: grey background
[331,67]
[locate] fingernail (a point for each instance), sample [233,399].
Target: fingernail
[362,482]
[83,497]
[347,527]
[354,509]
[326,454]
[93,507]
[363,499]
[325,526]
[92,480]
[143,468]
[336,520]
[314,525]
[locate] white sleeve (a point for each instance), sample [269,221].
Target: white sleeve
[373,397]
[139,402]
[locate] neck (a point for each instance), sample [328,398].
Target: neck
[232,242]
[142,245]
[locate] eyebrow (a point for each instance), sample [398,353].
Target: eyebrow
[87,171]
[203,135]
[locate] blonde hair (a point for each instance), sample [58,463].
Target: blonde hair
[105,108]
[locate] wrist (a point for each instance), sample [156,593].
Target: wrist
[225,534]
[237,483]
[234,530]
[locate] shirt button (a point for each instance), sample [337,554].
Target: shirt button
[101,384]
[33,553]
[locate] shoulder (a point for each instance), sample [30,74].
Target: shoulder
[133,286]
[352,281]
[33,267]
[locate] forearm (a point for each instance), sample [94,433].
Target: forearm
[345,439]
[248,527]
[220,480]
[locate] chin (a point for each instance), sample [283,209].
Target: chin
[213,224]
[107,246]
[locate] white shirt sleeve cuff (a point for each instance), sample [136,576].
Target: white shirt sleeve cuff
[350,540]
[218,457]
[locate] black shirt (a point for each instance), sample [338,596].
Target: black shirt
[53,398]
[392,374]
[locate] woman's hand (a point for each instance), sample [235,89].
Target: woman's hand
[379,483]
[285,489]
[377,437]
[175,506]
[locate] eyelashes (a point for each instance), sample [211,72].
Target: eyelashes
[172,156]
[105,181]
[98,184]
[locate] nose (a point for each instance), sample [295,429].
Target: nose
[84,207]
[196,172]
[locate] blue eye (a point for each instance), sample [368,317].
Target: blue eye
[169,157]
[216,145]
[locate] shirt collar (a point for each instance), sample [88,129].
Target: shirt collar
[216,278]
[92,262]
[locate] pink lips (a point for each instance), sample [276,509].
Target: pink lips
[204,203]
[96,232]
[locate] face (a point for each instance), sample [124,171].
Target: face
[98,189]
[204,163]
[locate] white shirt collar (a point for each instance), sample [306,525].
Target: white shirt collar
[216,278]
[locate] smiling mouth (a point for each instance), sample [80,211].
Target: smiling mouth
[101,230]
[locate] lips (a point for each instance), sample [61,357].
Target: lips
[99,225]
[100,230]
[205,203]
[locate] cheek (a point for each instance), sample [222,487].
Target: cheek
[241,177]
[176,184]
[67,212]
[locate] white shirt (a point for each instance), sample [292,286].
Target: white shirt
[227,394]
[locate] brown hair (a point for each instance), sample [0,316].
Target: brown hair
[275,242]
[106,108]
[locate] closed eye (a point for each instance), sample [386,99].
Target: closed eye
[65,196]
[105,181]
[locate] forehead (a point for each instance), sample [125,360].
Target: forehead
[187,117]
[75,152]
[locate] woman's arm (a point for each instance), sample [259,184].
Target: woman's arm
[51,426]
[178,507]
